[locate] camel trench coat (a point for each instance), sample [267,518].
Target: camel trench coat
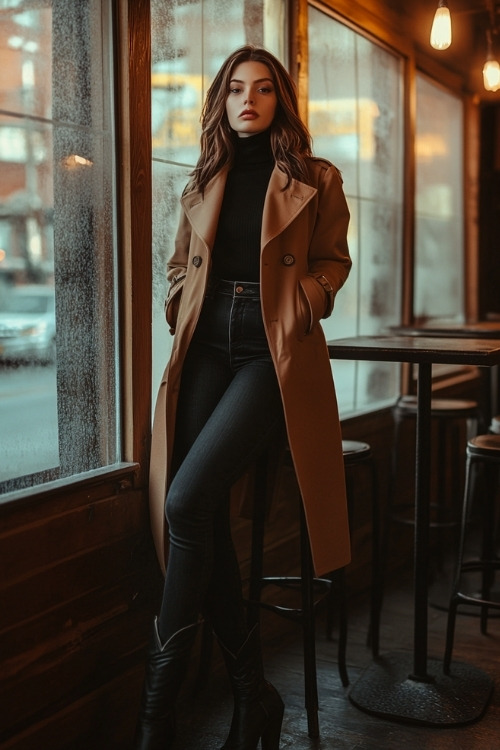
[304,230]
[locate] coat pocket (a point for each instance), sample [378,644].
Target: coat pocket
[313,301]
[172,303]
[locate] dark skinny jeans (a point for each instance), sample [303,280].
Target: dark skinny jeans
[229,411]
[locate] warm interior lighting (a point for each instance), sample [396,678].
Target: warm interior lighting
[491,70]
[73,161]
[441,27]
[491,75]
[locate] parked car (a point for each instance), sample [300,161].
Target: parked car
[28,324]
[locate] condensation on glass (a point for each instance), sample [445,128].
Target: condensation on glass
[189,43]
[58,406]
[439,202]
[356,119]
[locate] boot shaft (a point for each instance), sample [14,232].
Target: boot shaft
[166,667]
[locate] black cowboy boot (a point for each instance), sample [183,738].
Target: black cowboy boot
[165,669]
[258,708]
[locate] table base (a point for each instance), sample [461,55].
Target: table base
[386,690]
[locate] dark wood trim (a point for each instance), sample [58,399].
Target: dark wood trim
[372,19]
[299,53]
[135,183]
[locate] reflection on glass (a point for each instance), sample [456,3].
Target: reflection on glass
[356,119]
[57,298]
[439,283]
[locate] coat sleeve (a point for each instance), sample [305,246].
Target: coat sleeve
[328,258]
[176,271]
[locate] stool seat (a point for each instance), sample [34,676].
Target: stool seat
[443,407]
[485,446]
[355,450]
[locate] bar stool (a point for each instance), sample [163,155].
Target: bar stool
[313,590]
[448,413]
[358,454]
[483,451]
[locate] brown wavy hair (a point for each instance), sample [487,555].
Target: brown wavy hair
[290,139]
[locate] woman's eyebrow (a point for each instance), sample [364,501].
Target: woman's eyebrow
[257,80]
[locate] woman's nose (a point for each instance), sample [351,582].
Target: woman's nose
[249,99]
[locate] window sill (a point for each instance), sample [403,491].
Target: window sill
[122,475]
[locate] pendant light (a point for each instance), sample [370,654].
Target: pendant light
[441,27]
[491,70]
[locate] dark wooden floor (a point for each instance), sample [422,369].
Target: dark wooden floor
[204,718]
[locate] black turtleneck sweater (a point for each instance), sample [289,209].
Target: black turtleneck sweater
[236,251]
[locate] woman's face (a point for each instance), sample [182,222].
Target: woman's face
[251,102]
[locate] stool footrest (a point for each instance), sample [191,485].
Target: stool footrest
[289,612]
[293,582]
[463,598]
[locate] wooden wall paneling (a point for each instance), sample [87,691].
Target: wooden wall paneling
[79,587]
[101,720]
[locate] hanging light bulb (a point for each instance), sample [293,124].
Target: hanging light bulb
[491,70]
[491,75]
[441,27]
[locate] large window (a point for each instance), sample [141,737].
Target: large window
[58,384]
[189,43]
[439,222]
[356,119]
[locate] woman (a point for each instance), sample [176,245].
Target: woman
[260,253]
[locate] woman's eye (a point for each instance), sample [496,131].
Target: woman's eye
[265,90]
[234,90]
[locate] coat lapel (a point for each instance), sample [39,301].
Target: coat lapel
[203,210]
[282,206]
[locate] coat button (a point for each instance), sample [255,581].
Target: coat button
[288,260]
[197,261]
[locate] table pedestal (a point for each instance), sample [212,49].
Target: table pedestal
[387,689]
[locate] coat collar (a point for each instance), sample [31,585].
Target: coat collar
[280,207]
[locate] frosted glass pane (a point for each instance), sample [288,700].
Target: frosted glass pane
[58,385]
[332,100]
[26,59]
[379,287]
[177,80]
[356,119]
[439,251]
